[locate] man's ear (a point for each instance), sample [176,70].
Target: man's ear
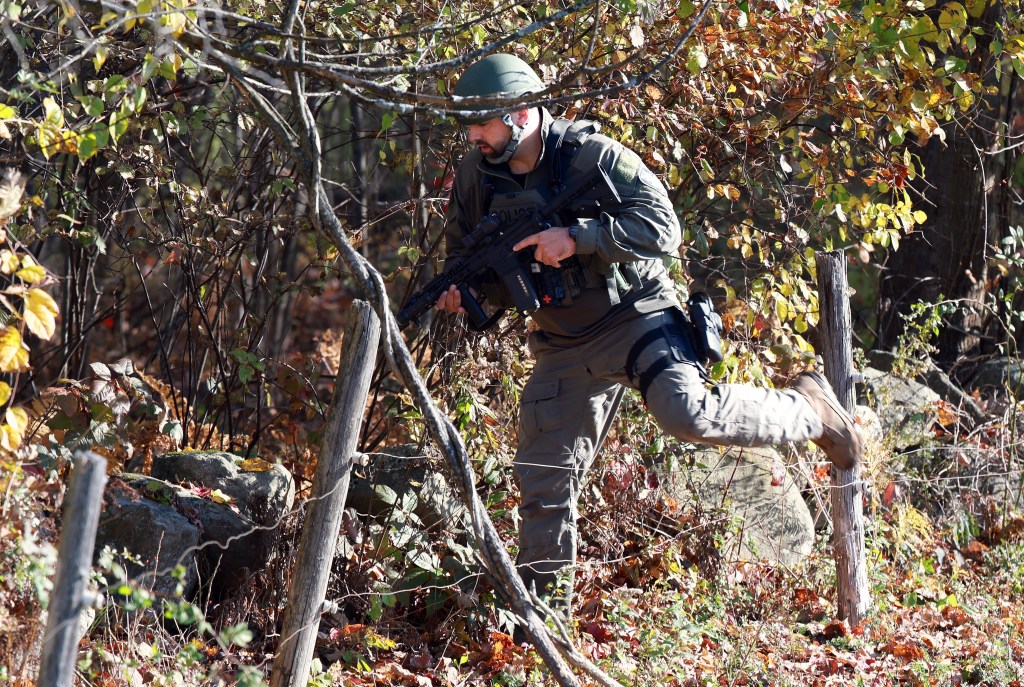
[521,117]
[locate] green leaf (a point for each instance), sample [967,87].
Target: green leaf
[92,142]
[954,65]
[168,71]
[118,124]
[697,61]
[1018,67]
[114,84]
[7,112]
[685,9]
[386,494]
[93,105]
[239,635]
[149,67]
[925,29]
[139,100]
[173,429]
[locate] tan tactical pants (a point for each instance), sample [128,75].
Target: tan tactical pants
[568,401]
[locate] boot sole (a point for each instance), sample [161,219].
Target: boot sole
[833,402]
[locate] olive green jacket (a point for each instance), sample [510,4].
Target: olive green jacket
[639,231]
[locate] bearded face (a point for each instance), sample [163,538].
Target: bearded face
[497,138]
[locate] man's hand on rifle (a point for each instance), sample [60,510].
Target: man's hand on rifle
[553,245]
[451,300]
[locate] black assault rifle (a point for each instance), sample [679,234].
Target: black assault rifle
[489,249]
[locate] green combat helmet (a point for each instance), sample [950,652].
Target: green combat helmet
[498,75]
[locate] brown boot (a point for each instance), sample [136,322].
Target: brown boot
[840,439]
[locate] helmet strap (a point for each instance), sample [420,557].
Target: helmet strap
[513,142]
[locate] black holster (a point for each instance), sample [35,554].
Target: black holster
[707,327]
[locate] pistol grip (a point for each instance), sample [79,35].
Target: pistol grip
[473,308]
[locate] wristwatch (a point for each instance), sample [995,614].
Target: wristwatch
[574,231]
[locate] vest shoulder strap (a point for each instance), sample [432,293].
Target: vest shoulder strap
[564,139]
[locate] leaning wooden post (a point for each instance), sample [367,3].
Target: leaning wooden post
[80,519]
[847,505]
[327,500]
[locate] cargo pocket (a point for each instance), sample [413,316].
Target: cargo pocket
[540,411]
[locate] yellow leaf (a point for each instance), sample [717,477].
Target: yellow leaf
[9,440]
[48,138]
[255,465]
[218,496]
[100,57]
[782,309]
[5,392]
[54,115]
[13,432]
[8,261]
[176,22]
[32,274]
[976,8]
[17,418]
[13,353]
[40,313]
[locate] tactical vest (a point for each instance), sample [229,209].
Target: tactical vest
[559,286]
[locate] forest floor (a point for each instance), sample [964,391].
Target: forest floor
[939,615]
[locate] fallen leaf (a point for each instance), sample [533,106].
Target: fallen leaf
[218,496]
[255,465]
[836,628]
[891,493]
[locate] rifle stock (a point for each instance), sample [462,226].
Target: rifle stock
[490,254]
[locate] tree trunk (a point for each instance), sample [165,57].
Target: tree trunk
[946,257]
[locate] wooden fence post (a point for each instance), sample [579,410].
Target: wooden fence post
[853,597]
[327,500]
[79,521]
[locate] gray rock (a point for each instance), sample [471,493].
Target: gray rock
[263,496]
[774,521]
[230,540]
[1002,376]
[401,469]
[231,545]
[906,408]
[1006,488]
[927,373]
[155,533]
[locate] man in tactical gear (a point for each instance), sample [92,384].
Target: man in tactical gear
[619,324]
